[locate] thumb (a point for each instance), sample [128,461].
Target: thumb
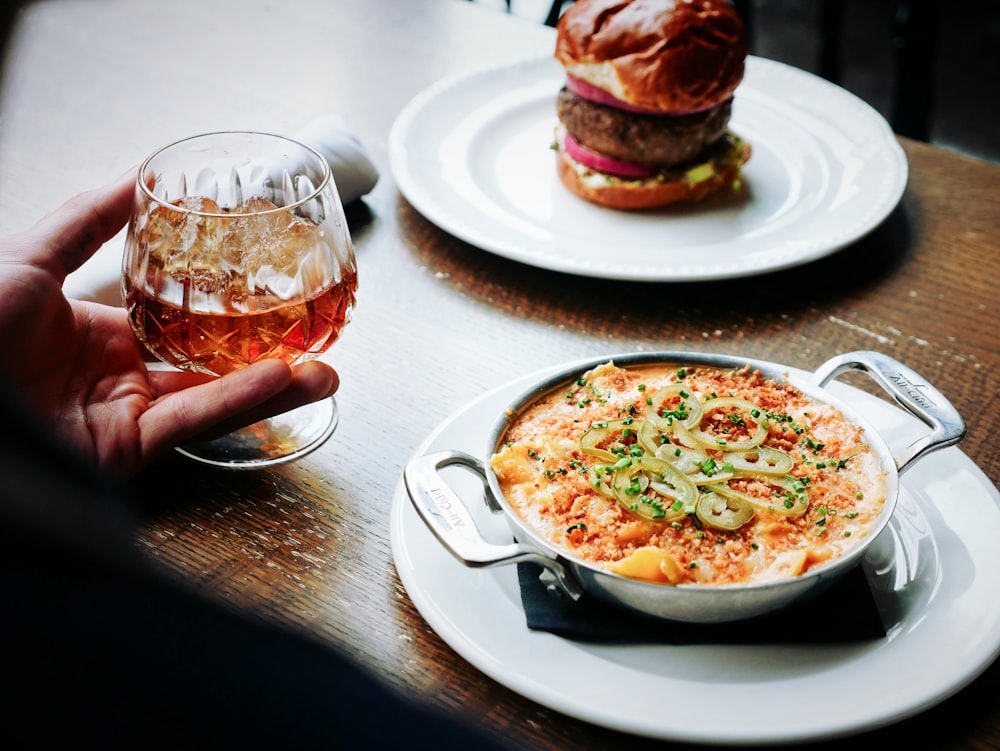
[180,415]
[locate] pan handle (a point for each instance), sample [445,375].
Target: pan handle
[449,518]
[909,391]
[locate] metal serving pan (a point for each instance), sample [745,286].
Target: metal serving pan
[449,517]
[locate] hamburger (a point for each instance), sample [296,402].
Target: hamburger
[644,113]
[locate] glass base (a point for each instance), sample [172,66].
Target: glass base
[279,439]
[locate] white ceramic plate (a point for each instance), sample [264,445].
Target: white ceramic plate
[935,574]
[472,154]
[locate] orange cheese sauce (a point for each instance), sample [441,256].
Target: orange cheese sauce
[548,479]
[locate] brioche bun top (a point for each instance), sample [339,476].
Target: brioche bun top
[663,55]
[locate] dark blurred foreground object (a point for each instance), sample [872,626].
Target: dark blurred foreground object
[102,648]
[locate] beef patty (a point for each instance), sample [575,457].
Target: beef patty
[658,140]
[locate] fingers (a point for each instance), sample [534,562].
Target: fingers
[218,406]
[183,414]
[63,240]
[310,382]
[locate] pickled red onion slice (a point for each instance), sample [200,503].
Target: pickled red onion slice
[601,163]
[592,93]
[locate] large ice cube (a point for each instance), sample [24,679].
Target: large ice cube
[273,243]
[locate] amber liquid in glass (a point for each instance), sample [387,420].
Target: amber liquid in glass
[220,343]
[215,291]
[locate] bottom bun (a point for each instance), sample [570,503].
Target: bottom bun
[719,169]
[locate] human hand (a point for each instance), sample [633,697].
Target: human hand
[80,367]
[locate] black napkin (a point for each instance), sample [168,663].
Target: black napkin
[843,612]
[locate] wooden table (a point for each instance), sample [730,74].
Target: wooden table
[91,88]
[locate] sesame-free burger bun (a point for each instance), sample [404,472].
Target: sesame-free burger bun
[659,55]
